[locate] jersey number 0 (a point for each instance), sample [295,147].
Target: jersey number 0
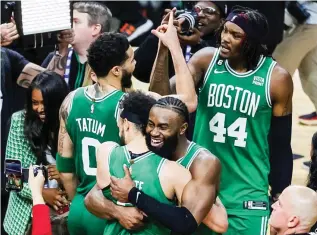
[86,142]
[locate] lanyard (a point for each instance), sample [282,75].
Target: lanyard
[68,63]
[187,53]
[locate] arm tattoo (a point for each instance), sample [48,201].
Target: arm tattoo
[64,110]
[61,137]
[59,63]
[159,81]
[24,82]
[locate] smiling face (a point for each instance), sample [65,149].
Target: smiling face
[163,131]
[38,104]
[232,38]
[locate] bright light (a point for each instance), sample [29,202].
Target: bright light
[41,16]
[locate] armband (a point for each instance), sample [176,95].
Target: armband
[65,165]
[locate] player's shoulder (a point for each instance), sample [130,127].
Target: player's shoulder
[281,81]
[205,160]
[107,147]
[280,75]
[202,58]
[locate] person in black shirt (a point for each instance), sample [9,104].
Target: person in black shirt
[16,74]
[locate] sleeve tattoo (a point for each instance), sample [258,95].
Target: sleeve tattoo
[58,63]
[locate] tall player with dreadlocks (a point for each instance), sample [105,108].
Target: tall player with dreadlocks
[245,98]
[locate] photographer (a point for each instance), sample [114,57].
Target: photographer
[209,16]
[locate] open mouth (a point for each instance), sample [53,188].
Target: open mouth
[157,143]
[225,48]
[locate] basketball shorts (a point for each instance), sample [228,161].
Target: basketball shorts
[81,221]
[247,225]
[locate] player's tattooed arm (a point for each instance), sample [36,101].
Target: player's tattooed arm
[159,80]
[65,147]
[66,106]
[28,73]
[281,88]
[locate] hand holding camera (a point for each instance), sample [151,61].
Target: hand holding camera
[185,23]
[36,184]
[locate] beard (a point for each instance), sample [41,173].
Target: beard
[122,139]
[126,80]
[168,148]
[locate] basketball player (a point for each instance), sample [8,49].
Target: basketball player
[152,174]
[165,136]
[88,118]
[111,59]
[244,96]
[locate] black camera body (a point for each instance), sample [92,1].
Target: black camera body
[190,22]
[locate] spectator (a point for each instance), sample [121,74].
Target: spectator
[133,23]
[295,212]
[211,15]
[299,50]
[41,224]
[90,19]
[16,71]
[33,140]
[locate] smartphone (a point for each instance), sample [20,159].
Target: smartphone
[13,175]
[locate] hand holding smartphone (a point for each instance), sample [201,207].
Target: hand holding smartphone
[13,175]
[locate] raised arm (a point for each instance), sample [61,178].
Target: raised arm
[184,82]
[281,90]
[159,80]
[65,162]
[59,60]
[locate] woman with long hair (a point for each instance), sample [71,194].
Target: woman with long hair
[33,140]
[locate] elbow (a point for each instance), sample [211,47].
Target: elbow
[192,104]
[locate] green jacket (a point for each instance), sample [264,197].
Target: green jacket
[18,214]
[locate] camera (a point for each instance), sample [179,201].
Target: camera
[190,22]
[42,168]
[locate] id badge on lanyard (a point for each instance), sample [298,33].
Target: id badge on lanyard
[188,53]
[68,63]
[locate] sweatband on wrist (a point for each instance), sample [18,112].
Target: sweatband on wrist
[64,164]
[177,219]
[132,196]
